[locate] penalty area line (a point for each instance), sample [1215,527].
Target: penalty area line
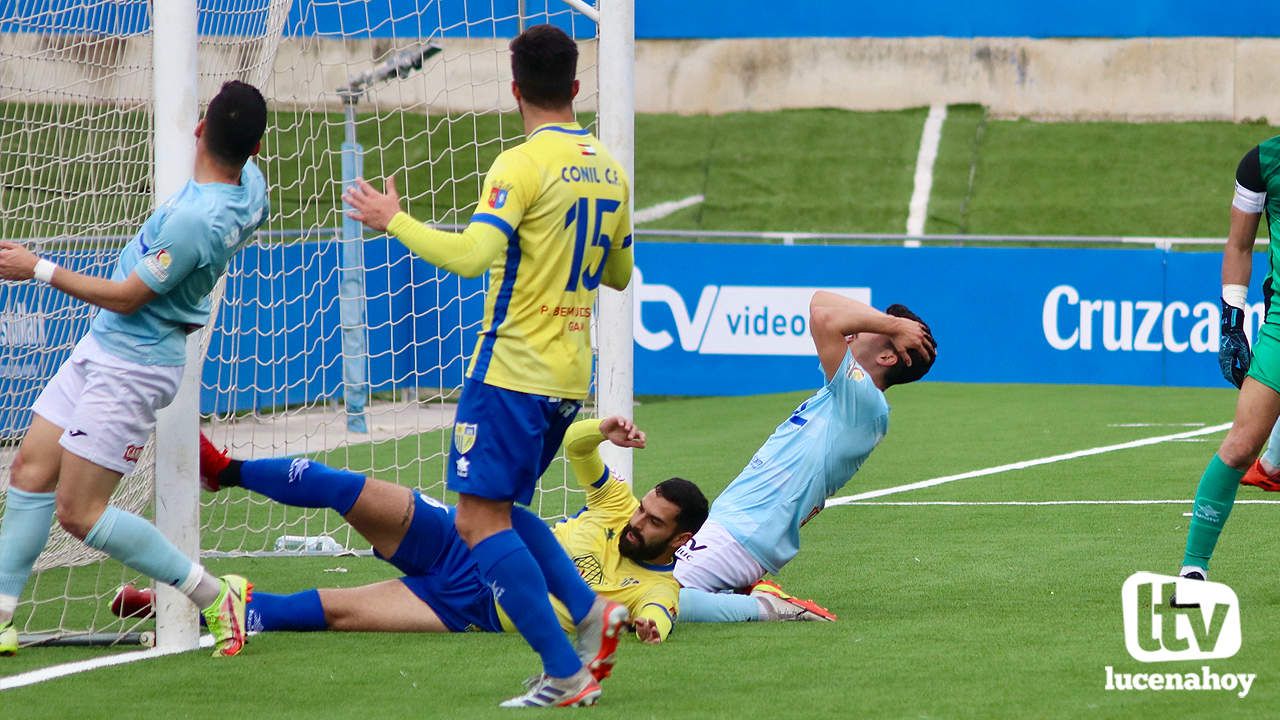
[1024,464]
[663,209]
[54,672]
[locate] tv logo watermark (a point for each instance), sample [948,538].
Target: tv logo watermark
[1169,619]
[1203,624]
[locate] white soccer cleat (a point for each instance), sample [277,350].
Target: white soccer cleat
[545,691]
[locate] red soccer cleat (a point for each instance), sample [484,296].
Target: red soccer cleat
[1260,478]
[130,602]
[788,606]
[212,462]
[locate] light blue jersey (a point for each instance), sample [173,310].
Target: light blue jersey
[806,460]
[180,253]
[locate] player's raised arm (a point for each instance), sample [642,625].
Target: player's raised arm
[1234,355]
[834,317]
[582,442]
[468,253]
[118,296]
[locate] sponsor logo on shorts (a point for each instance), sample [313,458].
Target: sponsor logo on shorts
[132,453]
[464,467]
[78,433]
[464,436]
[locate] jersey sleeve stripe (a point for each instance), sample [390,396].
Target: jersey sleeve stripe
[626,242]
[604,477]
[500,307]
[495,221]
[664,610]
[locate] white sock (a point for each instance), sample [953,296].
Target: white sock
[8,606]
[200,586]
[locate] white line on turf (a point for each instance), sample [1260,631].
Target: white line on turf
[1142,425]
[930,138]
[56,671]
[663,209]
[1035,503]
[1024,464]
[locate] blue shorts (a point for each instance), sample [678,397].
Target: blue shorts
[438,569]
[504,440]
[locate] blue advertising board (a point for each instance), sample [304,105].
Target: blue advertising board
[732,319]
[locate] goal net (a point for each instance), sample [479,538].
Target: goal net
[327,341]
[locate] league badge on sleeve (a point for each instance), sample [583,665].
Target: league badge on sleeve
[464,436]
[498,197]
[855,372]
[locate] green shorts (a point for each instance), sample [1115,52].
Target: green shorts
[1265,367]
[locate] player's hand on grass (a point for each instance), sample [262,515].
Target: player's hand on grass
[647,631]
[374,209]
[911,335]
[622,432]
[16,262]
[1234,355]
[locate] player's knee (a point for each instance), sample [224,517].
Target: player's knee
[1239,450]
[477,521]
[30,475]
[77,523]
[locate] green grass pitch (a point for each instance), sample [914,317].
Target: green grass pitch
[945,611]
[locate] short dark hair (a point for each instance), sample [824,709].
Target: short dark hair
[234,122]
[544,62]
[902,373]
[689,498]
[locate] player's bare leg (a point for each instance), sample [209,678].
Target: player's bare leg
[387,606]
[382,515]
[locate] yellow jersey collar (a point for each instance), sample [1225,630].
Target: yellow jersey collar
[570,128]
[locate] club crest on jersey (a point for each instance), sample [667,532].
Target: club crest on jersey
[498,197]
[587,149]
[464,436]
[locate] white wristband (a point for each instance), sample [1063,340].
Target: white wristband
[44,270]
[1235,295]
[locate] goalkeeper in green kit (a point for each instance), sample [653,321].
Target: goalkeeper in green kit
[1257,374]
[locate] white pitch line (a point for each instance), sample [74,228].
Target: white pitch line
[930,138]
[1146,425]
[1036,503]
[663,209]
[1024,464]
[56,671]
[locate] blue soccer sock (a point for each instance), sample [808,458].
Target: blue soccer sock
[562,576]
[24,532]
[138,544]
[299,612]
[518,585]
[302,483]
[703,606]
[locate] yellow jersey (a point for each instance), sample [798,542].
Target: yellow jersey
[553,224]
[591,538]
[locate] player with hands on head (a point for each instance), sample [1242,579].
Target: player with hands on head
[754,526]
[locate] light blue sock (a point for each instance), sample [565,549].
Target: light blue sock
[703,606]
[1272,455]
[23,534]
[139,545]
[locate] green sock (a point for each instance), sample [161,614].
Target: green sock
[1214,497]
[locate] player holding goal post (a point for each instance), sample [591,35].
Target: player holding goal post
[552,225]
[91,421]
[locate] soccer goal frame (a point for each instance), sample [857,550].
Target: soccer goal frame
[175,108]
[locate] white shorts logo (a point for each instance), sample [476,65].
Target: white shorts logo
[1203,624]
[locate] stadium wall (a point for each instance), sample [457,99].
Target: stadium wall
[1197,78]
[711,319]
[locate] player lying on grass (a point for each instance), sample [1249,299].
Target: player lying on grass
[622,546]
[92,420]
[754,526]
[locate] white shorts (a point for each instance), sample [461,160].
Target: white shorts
[106,406]
[716,562]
